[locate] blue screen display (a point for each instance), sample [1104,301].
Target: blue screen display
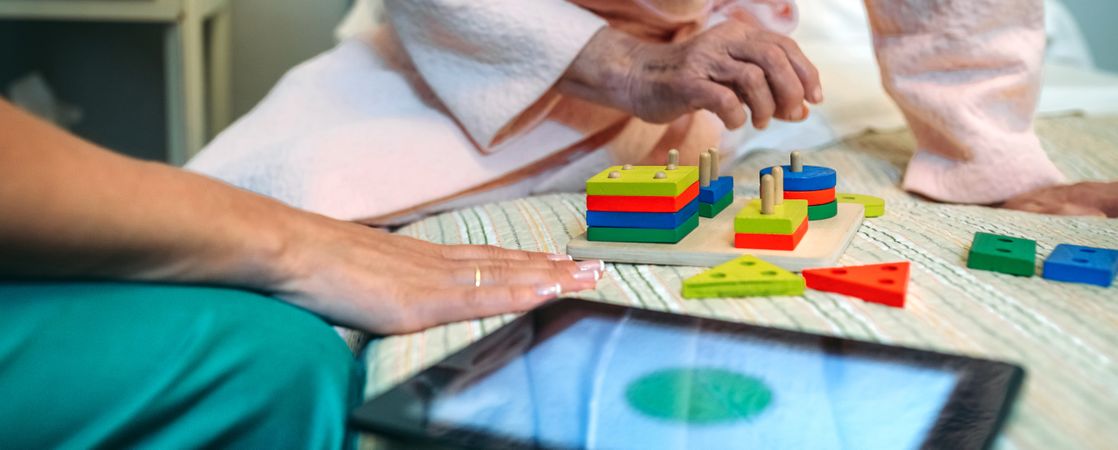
[608,384]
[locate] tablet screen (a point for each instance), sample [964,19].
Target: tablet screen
[602,382]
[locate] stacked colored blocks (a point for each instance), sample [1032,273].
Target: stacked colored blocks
[813,184]
[781,230]
[1005,254]
[642,204]
[716,197]
[1078,264]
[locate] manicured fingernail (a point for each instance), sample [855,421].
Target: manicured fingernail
[588,275]
[592,264]
[549,290]
[817,95]
[559,257]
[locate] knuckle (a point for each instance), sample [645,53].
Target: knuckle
[753,75]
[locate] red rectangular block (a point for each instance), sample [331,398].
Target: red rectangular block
[771,241]
[638,203]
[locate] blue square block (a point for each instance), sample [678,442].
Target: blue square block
[1080,264]
[663,221]
[717,189]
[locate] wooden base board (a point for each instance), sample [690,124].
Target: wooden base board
[712,243]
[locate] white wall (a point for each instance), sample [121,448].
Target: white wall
[271,36]
[1099,21]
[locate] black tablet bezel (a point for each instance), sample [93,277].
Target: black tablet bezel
[971,417]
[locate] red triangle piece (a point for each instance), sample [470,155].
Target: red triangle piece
[878,283]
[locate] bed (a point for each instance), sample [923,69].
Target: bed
[1064,335]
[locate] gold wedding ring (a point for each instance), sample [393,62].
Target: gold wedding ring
[477,276]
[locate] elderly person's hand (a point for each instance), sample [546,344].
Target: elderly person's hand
[1087,198]
[719,70]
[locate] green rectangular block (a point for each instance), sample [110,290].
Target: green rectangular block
[786,217]
[642,181]
[709,210]
[1004,254]
[651,235]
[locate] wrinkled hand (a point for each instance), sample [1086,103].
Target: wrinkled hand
[383,283]
[719,70]
[1087,198]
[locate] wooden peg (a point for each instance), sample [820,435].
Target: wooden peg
[627,167]
[660,175]
[797,162]
[704,170]
[615,174]
[767,194]
[778,185]
[715,171]
[673,159]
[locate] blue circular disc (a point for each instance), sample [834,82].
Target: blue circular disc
[812,178]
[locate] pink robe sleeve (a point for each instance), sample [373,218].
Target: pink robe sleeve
[966,74]
[492,63]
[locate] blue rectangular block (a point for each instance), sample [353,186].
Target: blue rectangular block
[1080,264]
[717,189]
[664,221]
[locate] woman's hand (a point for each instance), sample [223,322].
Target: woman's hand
[1086,198]
[719,70]
[372,280]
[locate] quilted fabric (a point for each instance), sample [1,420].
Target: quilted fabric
[1065,335]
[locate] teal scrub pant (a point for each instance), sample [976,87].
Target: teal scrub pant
[161,366]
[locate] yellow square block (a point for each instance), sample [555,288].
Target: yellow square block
[786,217]
[642,181]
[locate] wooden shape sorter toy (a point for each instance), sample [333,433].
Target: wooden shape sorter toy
[744,276]
[716,192]
[712,241]
[886,284]
[628,185]
[771,223]
[1005,254]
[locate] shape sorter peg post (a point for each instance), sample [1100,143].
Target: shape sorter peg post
[716,192]
[771,222]
[656,204]
[744,276]
[814,184]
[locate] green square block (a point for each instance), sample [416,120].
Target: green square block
[786,217]
[1005,254]
[710,210]
[745,276]
[640,181]
[652,235]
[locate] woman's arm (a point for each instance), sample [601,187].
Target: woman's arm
[73,210]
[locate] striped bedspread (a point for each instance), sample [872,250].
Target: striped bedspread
[1065,335]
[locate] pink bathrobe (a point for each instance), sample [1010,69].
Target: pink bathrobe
[453,103]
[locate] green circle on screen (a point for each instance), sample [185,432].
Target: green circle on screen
[699,396]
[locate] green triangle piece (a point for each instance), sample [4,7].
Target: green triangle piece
[745,276]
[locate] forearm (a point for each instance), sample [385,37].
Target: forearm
[71,209]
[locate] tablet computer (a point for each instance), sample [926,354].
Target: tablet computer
[581,374]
